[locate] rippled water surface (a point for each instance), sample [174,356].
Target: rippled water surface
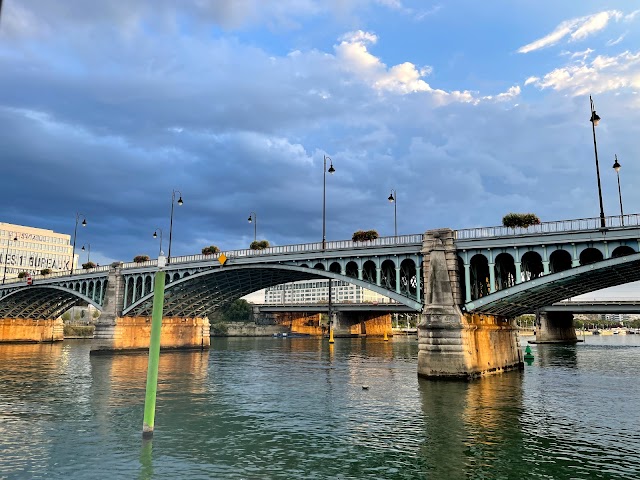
[262,408]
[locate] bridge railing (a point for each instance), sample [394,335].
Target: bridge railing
[77,271]
[298,248]
[560,226]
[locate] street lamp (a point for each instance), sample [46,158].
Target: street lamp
[88,251]
[393,198]
[253,218]
[75,234]
[173,200]
[324,195]
[6,252]
[155,235]
[616,167]
[595,119]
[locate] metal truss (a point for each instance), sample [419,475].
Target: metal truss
[41,302]
[527,297]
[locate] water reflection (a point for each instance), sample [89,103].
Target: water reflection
[551,355]
[475,426]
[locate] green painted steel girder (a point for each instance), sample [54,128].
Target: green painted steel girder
[41,302]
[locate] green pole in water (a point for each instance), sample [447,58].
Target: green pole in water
[154,351]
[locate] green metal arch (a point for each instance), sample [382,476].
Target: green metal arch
[208,290]
[527,297]
[41,302]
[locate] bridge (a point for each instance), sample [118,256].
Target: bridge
[461,281]
[595,306]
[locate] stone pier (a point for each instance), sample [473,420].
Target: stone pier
[117,333]
[29,330]
[555,327]
[453,344]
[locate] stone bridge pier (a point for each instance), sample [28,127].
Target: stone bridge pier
[555,327]
[452,343]
[117,333]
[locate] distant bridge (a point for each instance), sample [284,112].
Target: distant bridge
[595,306]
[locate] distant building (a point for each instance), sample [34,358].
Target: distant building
[617,317]
[33,250]
[317,291]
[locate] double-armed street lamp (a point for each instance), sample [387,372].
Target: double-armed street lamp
[324,195]
[173,201]
[88,251]
[253,218]
[616,167]
[155,235]
[75,234]
[393,198]
[6,252]
[595,119]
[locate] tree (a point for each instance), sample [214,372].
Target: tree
[45,271]
[22,274]
[239,311]
[364,235]
[522,220]
[210,250]
[259,245]
[88,265]
[141,258]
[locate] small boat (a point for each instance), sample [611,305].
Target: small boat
[596,332]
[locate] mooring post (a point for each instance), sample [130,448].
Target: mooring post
[154,351]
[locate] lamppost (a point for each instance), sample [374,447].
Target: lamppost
[88,251]
[324,195]
[6,252]
[253,218]
[595,119]
[75,234]
[155,235]
[180,202]
[616,167]
[393,198]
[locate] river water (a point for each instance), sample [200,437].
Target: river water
[271,408]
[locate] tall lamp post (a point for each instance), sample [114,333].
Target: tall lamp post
[6,252]
[616,167]
[324,195]
[253,218]
[155,235]
[75,234]
[180,202]
[88,251]
[393,198]
[595,119]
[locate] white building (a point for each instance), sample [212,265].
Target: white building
[317,291]
[30,249]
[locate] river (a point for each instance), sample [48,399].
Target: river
[273,408]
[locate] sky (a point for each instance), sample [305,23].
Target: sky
[468,110]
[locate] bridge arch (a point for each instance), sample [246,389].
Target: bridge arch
[559,261]
[527,297]
[335,267]
[209,290]
[504,271]
[532,266]
[479,276]
[369,271]
[42,302]
[590,255]
[622,251]
[351,269]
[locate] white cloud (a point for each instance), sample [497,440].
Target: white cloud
[612,42]
[531,80]
[354,56]
[583,54]
[604,73]
[576,28]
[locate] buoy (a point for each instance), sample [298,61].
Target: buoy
[528,356]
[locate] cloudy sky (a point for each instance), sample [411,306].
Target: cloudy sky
[468,109]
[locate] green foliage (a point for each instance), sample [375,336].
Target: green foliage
[219,329]
[78,316]
[22,274]
[88,265]
[66,316]
[239,311]
[141,258]
[522,220]
[96,313]
[45,271]
[210,250]
[364,235]
[79,331]
[259,245]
